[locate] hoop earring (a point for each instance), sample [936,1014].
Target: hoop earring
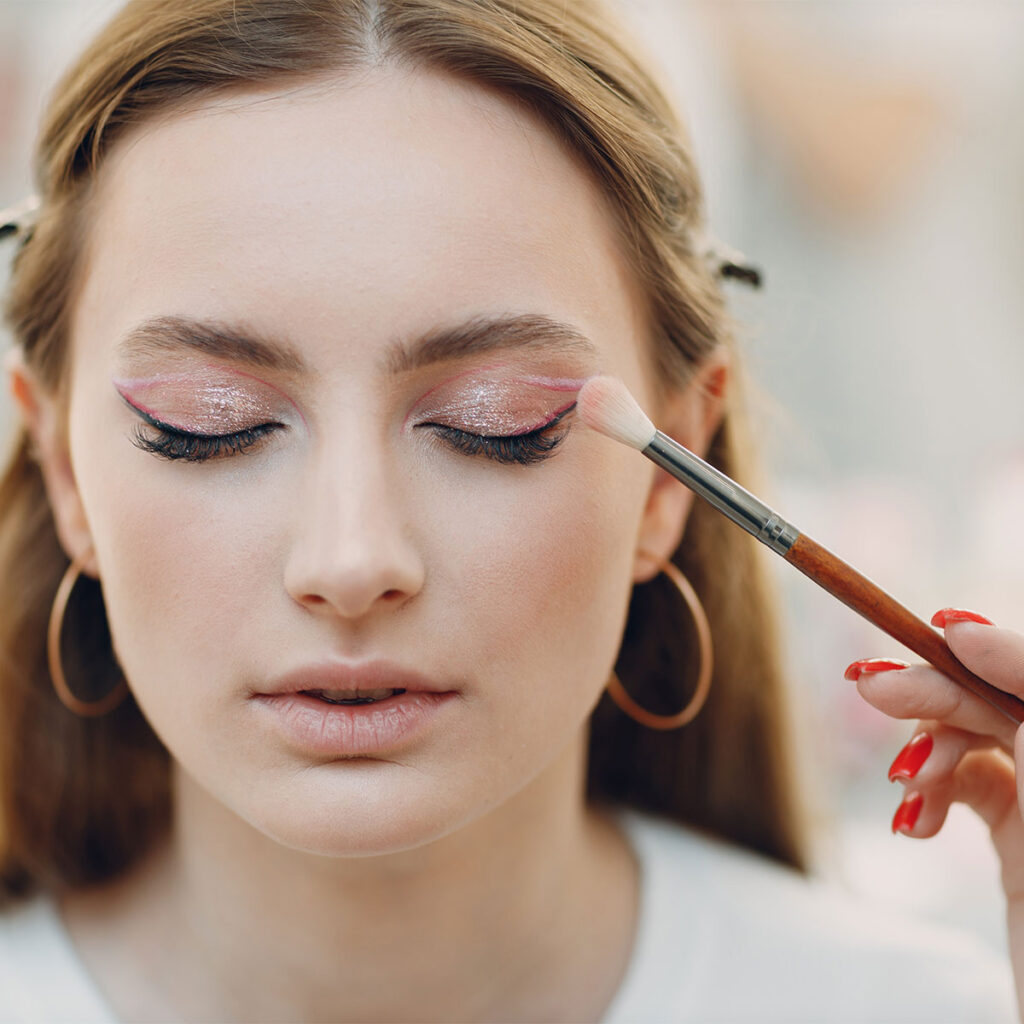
[700,620]
[84,708]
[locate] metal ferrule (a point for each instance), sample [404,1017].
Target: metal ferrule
[726,495]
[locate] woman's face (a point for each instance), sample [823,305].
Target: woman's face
[375,302]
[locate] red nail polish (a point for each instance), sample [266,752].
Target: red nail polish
[858,668]
[907,814]
[910,759]
[944,615]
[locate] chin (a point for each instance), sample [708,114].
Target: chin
[365,821]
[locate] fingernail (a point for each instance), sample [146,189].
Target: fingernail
[944,615]
[907,814]
[909,760]
[858,668]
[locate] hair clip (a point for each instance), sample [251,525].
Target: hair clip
[729,264]
[744,272]
[19,220]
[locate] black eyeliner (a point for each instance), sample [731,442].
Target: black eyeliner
[524,449]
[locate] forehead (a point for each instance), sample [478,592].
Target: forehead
[371,206]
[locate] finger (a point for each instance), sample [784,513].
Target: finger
[933,753]
[920,691]
[986,782]
[993,653]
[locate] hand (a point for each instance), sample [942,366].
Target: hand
[961,747]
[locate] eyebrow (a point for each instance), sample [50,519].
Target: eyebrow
[488,334]
[222,341]
[471,337]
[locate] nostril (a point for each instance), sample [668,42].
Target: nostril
[350,580]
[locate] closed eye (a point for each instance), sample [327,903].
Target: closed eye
[174,443]
[522,449]
[179,444]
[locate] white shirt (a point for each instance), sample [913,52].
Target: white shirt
[723,936]
[726,936]
[41,978]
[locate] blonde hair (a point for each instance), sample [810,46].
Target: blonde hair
[80,800]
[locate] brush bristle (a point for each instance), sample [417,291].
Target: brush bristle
[605,405]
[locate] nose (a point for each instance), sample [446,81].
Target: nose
[353,552]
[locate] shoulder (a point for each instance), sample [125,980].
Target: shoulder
[41,979]
[726,935]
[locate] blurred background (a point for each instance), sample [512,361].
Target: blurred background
[869,157]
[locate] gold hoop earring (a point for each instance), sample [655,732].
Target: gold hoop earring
[84,708]
[700,620]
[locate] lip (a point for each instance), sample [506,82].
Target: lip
[372,675]
[352,730]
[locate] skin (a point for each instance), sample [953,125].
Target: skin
[977,757]
[301,887]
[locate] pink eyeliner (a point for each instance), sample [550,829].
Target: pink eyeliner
[557,383]
[554,417]
[139,407]
[220,403]
[490,406]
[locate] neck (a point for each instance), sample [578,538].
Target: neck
[525,913]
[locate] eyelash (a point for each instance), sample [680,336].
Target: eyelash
[519,449]
[180,444]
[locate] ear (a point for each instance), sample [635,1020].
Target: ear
[39,414]
[692,417]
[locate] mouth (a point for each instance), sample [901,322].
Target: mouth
[335,710]
[354,696]
[338,682]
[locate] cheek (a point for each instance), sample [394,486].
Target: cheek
[180,564]
[543,562]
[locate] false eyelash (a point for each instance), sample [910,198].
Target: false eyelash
[179,444]
[522,449]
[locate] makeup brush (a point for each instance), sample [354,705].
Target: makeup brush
[605,405]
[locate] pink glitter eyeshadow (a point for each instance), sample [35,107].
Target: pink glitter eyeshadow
[495,406]
[202,403]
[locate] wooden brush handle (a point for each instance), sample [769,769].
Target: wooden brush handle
[863,596]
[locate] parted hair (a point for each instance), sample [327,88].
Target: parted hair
[82,799]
